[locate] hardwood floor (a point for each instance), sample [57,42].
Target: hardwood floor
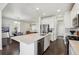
[56,48]
[12,49]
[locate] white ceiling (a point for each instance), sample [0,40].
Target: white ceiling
[28,12]
[2,5]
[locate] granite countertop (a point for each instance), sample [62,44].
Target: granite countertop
[75,46]
[30,38]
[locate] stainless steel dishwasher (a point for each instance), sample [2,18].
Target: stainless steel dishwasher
[40,46]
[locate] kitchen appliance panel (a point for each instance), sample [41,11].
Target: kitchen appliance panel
[40,46]
[44,28]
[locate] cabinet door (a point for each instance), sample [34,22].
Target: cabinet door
[71,51]
[46,42]
[77,8]
[73,11]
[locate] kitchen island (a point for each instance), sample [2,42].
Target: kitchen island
[29,43]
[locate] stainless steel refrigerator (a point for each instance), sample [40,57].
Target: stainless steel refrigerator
[44,28]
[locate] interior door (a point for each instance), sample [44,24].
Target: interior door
[60,28]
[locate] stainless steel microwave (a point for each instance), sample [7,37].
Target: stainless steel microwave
[76,21]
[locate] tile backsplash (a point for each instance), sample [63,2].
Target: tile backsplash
[67,31]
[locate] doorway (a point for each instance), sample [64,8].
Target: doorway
[60,28]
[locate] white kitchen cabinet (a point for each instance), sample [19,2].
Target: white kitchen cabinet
[74,11]
[71,51]
[77,8]
[67,20]
[26,49]
[46,42]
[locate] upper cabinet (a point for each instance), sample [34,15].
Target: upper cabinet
[76,21]
[67,20]
[77,8]
[74,12]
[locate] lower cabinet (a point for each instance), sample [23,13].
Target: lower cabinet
[46,42]
[71,51]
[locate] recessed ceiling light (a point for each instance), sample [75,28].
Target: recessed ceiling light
[58,10]
[37,8]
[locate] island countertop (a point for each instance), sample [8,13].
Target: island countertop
[75,46]
[30,38]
